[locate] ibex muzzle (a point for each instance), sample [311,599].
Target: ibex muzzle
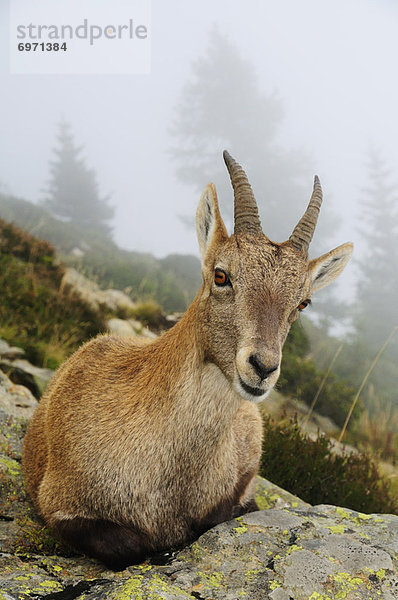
[137,448]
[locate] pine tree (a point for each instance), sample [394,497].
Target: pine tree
[377,308]
[375,312]
[223,107]
[73,193]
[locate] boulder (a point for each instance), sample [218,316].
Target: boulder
[288,550]
[128,328]
[120,327]
[114,301]
[21,371]
[10,352]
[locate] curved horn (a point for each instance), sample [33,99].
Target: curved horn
[245,205]
[304,230]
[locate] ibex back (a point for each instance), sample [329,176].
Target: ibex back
[137,448]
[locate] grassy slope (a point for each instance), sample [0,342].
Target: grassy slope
[172,281]
[33,313]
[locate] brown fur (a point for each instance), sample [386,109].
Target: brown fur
[137,448]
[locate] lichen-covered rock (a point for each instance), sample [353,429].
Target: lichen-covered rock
[17,405]
[288,550]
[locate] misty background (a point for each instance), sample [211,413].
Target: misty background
[330,65]
[290,89]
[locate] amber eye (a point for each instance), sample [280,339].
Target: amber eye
[304,304]
[220,277]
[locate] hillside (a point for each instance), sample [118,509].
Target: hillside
[33,312]
[172,282]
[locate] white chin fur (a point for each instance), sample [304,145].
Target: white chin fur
[247,396]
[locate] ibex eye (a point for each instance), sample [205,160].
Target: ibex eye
[304,304]
[220,277]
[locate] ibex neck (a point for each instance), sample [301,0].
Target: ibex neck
[201,400]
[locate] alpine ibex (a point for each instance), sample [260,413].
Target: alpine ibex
[136,448]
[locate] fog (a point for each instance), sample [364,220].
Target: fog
[332,64]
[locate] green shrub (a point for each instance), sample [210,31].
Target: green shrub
[309,469]
[150,314]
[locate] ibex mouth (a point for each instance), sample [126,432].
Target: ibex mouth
[254,391]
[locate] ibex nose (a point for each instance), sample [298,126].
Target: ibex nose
[262,370]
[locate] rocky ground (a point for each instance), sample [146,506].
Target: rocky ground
[286,551]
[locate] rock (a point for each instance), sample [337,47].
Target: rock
[22,372]
[128,328]
[17,405]
[174,318]
[77,252]
[114,301]
[10,352]
[288,550]
[141,330]
[120,327]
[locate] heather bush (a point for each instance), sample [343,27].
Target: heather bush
[309,469]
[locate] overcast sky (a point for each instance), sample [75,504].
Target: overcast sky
[333,63]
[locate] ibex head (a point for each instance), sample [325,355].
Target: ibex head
[253,288]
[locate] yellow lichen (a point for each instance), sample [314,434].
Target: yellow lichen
[48,585]
[157,584]
[380,574]
[197,551]
[336,528]
[130,589]
[273,584]
[251,574]
[213,580]
[241,529]
[345,583]
[294,548]
[13,468]
[265,499]
[318,596]
[342,513]
[363,517]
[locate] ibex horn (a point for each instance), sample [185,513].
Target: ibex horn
[245,205]
[304,230]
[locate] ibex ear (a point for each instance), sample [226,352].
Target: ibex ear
[210,227]
[327,267]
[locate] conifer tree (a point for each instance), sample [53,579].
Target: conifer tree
[375,310]
[222,106]
[73,193]
[376,304]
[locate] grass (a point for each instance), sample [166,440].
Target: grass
[33,313]
[365,379]
[376,430]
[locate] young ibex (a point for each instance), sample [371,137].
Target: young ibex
[136,448]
